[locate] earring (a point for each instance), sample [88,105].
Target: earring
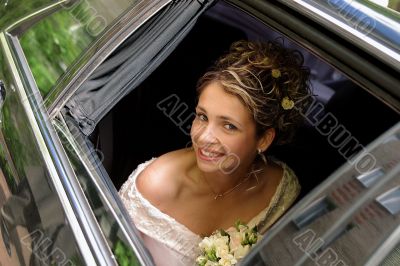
[263,158]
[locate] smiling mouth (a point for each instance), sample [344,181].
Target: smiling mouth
[209,155]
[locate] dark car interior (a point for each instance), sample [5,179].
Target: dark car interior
[136,130]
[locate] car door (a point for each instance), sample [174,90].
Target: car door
[38,219]
[98,226]
[45,217]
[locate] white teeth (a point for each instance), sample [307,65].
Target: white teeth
[210,154]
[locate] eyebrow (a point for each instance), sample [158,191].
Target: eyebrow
[221,116]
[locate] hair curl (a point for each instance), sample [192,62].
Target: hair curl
[262,75]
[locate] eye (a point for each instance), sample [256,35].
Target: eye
[230,127]
[201,116]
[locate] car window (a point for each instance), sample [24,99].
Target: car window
[53,44]
[80,160]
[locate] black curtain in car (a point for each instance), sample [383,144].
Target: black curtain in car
[133,62]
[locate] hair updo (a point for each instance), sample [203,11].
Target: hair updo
[269,79]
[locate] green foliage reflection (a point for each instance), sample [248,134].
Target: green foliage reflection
[12,10]
[124,255]
[53,44]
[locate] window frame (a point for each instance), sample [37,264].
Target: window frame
[95,173]
[86,232]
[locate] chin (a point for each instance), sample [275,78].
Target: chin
[225,164]
[208,166]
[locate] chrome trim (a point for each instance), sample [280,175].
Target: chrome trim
[88,166]
[318,208]
[94,235]
[54,175]
[23,24]
[390,200]
[385,248]
[117,34]
[370,178]
[369,44]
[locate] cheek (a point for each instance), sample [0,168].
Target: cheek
[242,145]
[239,151]
[196,130]
[237,144]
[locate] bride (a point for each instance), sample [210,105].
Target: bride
[247,102]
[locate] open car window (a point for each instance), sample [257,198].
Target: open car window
[130,125]
[132,63]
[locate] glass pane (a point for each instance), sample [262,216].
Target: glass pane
[12,10]
[34,227]
[53,44]
[111,229]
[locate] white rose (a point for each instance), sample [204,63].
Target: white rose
[241,251]
[223,240]
[206,244]
[211,263]
[221,246]
[243,228]
[217,235]
[227,260]
[222,251]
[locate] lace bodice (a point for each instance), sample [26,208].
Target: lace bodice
[172,243]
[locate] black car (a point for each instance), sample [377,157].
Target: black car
[81,84]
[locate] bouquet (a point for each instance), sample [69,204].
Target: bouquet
[227,247]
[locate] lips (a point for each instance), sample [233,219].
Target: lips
[209,155]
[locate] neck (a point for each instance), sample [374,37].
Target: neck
[220,183]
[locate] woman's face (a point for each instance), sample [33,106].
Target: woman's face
[223,131]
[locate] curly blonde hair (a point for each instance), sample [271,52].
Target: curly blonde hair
[264,76]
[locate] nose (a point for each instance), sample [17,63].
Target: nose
[206,134]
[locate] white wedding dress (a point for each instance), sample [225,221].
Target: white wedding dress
[172,243]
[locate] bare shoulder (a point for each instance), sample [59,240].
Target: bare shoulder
[161,181]
[273,175]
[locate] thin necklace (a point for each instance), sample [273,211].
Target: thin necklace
[220,195]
